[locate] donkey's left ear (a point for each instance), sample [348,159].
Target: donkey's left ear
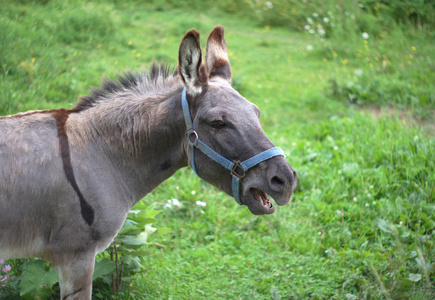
[190,66]
[217,55]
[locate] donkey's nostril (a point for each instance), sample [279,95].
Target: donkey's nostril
[277,181]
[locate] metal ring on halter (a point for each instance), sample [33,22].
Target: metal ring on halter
[194,134]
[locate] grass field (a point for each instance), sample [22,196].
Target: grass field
[355,117]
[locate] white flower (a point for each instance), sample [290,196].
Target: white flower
[322,32]
[315,15]
[415,138]
[311,31]
[325,19]
[201,203]
[307,27]
[193,192]
[143,236]
[269,4]
[354,199]
[309,20]
[358,72]
[174,202]
[309,47]
[365,35]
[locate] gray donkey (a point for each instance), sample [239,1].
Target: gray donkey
[69,177]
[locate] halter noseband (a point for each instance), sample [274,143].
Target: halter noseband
[237,168]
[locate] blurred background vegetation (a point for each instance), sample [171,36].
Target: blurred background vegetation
[344,87]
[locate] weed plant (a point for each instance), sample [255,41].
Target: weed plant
[361,223]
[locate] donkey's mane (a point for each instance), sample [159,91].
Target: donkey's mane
[139,82]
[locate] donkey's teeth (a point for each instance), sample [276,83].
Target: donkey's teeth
[263,198]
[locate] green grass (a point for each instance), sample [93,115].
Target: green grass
[362,220]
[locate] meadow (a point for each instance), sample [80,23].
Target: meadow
[347,92]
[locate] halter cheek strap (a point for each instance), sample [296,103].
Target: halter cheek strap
[237,168]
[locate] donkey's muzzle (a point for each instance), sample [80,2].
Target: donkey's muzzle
[273,178]
[281,179]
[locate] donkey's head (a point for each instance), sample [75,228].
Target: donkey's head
[232,151]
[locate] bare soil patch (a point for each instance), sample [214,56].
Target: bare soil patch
[407,117]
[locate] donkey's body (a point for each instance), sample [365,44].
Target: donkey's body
[69,177]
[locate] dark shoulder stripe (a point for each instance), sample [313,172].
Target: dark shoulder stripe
[61,115]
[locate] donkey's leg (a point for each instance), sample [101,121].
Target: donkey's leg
[75,276]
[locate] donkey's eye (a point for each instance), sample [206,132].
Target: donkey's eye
[217,124]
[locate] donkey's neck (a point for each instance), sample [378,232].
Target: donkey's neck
[143,139]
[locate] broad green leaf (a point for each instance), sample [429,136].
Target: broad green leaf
[143,220]
[133,240]
[133,262]
[399,204]
[36,281]
[384,226]
[103,267]
[129,223]
[164,230]
[128,231]
[414,277]
[153,213]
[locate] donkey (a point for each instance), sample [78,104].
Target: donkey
[69,177]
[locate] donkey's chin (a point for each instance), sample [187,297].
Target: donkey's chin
[258,202]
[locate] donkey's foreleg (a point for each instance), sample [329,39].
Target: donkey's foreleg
[75,276]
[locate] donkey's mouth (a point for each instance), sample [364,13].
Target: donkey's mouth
[263,198]
[258,202]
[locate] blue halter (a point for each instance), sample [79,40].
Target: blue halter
[237,168]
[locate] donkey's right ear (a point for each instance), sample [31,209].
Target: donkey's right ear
[190,67]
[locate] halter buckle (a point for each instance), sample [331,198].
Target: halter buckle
[238,170]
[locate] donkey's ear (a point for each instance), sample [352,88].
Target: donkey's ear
[217,55]
[190,66]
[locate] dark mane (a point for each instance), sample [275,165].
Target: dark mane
[126,81]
